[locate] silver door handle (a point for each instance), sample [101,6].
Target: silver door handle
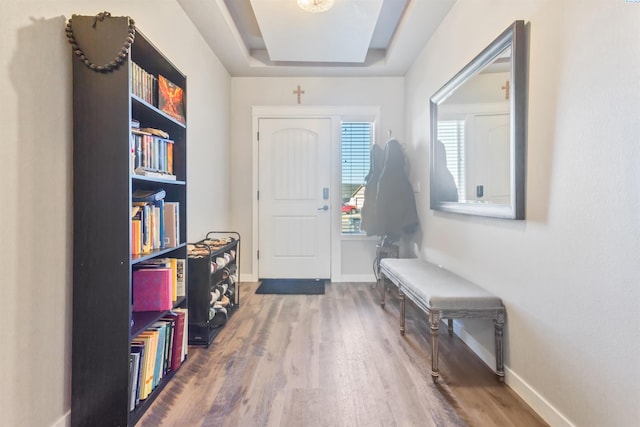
[324,208]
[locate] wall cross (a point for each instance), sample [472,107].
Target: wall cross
[506,89]
[298,92]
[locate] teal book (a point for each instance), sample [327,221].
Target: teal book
[159,363]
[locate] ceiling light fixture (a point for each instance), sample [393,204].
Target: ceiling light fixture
[315,6]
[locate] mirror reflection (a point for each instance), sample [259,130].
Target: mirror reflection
[473,131]
[477,126]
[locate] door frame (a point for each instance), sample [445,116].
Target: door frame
[336,115]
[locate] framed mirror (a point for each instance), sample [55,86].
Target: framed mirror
[478,132]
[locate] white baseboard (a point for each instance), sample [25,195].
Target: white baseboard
[485,355]
[64,421]
[357,278]
[537,402]
[534,399]
[248,277]
[370,278]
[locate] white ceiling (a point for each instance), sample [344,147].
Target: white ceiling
[354,38]
[341,34]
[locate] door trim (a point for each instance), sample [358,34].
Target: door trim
[336,115]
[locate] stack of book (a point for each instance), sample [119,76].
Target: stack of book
[144,85]
[158,283]
[152,152]
[156,352]
[154,222]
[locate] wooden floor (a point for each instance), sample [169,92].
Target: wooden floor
[332,360]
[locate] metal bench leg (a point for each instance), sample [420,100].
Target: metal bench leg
[383,289]
[434,321]
[402,305]
[499,326]
[450,326]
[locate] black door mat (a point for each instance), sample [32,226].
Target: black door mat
[291,287]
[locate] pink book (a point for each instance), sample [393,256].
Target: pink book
[152,289]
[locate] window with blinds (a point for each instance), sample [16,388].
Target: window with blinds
[357,138]
[451,133]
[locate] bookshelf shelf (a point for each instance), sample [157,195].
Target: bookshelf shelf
[137,413]
[143,319]
[138,104]
[154,180]
[105,327]
[135,259]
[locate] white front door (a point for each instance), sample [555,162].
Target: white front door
[490,156]
[294,206]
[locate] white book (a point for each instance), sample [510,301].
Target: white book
[182,277]
[134,380]
[170,230]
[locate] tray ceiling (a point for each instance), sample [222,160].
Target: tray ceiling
[354,37]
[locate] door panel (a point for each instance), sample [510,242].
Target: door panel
[491,159]
[294,168]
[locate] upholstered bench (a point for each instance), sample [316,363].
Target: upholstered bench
[442,294]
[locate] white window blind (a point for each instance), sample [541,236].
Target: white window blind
[451,133]
[356,140]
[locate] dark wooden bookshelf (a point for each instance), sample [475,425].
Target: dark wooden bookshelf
[103,181]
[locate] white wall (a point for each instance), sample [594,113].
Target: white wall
[569,274]
[36,211]
[387,93]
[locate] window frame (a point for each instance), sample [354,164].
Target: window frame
[361,166]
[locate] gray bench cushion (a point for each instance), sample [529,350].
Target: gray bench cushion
[437,288]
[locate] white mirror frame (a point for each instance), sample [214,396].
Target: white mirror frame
[515,37]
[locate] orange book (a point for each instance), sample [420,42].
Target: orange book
[171,99]
[133,237]
[170,157]
[150,339]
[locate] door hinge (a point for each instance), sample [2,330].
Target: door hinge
[258,195]
[258,253]
[258,135]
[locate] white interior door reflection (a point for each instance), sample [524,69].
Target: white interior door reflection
[488,159]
